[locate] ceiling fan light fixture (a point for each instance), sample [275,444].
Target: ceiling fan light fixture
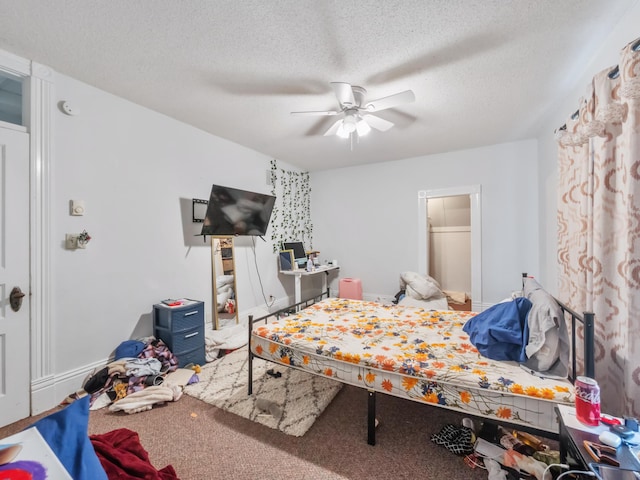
[357,122]
[362,128]
[349,123]
[342,132]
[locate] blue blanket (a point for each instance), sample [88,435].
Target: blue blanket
[501,332]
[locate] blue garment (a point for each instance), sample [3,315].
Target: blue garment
[501,332]
[129,349]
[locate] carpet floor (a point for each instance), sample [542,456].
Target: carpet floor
[204,442]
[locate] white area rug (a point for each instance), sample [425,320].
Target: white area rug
[290,403]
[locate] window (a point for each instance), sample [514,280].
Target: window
[11,98]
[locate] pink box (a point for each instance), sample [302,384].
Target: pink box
[350,288]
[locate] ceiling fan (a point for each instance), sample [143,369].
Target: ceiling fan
[358,119]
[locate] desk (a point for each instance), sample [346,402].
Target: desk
[298,274]
[572,435]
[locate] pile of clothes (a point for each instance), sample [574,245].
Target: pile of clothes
[143,373]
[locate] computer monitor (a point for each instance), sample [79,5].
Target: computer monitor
[299,253]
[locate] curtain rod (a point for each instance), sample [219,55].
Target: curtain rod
[614,73]
[616,70]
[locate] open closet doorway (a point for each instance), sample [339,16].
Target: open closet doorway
[450,242]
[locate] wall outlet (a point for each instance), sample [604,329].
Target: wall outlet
[71,241]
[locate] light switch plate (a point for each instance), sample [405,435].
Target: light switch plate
[77,207]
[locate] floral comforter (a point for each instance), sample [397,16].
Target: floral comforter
[413,353]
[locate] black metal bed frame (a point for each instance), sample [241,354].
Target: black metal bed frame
[283,312]
[587,321]
[588,324]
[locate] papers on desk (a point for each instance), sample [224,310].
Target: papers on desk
[318,269]
[322,268]
[570,420]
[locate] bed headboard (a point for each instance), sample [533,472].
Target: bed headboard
[587,320]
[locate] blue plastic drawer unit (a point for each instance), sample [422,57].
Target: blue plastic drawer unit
[182,329]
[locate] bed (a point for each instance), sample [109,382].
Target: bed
[418,354]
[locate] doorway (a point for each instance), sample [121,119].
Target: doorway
[37,121]
[449,223]
[14,275]
[436,253]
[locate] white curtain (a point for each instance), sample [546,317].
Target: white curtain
[599,224]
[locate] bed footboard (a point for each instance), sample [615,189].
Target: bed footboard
[283,312]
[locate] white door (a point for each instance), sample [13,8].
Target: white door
[14,272]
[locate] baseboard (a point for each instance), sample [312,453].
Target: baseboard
[43,394]
[262,310]
[48,392]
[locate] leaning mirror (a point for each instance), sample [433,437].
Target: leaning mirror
[225,301]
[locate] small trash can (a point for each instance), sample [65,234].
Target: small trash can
[350,288]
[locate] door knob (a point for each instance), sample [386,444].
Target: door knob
[15,298]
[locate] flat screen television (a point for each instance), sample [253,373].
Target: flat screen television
[232,211]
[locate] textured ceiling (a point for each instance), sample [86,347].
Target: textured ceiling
[483,71]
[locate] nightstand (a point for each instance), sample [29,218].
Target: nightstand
[182,329]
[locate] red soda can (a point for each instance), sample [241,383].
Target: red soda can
[587,401]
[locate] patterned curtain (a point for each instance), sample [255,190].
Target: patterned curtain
[599,225]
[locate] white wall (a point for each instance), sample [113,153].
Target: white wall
[137,172]
[605,56]
[367,217]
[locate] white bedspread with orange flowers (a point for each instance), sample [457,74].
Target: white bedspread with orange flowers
[413,353]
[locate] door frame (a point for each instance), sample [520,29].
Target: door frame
[38,107]
[474,192]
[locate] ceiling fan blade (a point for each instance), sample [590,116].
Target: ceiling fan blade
[377,122]
[328,112]
[344,94]
[334,128]
[391,101]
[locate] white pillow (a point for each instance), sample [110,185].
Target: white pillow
[224,280]
[548,346]
[422,287]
